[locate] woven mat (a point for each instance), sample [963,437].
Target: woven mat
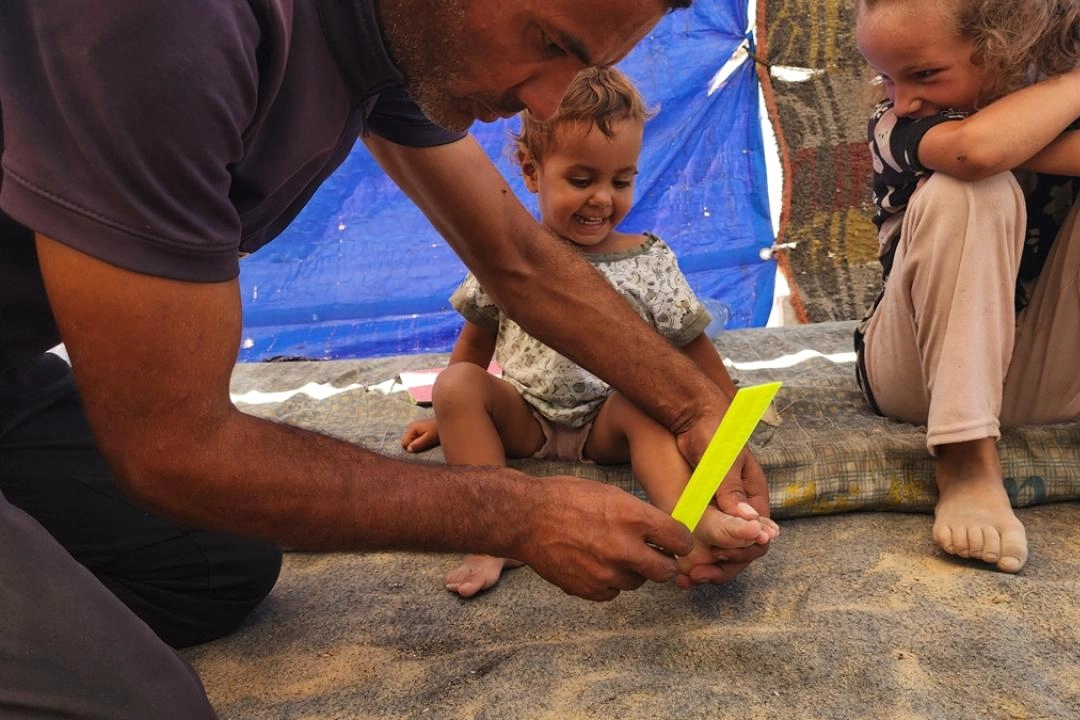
[829,454]
[820,122]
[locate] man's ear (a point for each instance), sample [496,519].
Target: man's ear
[530,170]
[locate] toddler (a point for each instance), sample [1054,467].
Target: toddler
[581,164]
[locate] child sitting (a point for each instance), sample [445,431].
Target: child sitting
[582,164]
[978,322]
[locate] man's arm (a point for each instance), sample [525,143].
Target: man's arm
[553,293]
[153,360]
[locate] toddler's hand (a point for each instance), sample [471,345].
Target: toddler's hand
[420,435]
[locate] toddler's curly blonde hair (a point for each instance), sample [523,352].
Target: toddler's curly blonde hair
[599,96]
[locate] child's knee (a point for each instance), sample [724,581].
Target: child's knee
[942,193]
[457,381]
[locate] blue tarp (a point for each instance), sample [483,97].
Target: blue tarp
[361,273]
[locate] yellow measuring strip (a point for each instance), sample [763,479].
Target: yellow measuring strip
[746,410]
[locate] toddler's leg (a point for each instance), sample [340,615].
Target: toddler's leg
[476,573]
[622,431]
[482,419]
[938,348]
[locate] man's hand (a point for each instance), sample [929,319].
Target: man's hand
[744,494]
[594,540]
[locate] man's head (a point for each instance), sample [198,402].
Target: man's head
[464,60]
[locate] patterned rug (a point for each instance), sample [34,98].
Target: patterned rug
[816,87]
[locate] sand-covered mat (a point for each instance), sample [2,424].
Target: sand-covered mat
[850,615]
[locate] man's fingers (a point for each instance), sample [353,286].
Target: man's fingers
[610,587]
[670,536]
[739,556]
[715,574]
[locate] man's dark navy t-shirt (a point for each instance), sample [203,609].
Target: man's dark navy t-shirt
[169,137]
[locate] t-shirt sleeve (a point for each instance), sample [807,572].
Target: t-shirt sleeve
[119,132]
[895,140]
[396,118]
[894,154]
[475,305]
[665,296]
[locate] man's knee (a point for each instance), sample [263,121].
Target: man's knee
[198,588]
[68,648]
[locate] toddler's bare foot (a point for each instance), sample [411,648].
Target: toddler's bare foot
[973,517]
[718,529]
[476,573]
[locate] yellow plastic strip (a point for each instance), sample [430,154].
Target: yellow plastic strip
[746,410]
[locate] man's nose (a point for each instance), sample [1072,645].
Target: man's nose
[542,92]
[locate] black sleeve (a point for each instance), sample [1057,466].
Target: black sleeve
[397,118]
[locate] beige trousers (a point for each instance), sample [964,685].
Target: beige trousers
[945,348]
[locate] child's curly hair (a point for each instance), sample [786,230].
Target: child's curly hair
[599,96]
[1016,41]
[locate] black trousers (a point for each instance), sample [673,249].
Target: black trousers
[187,586]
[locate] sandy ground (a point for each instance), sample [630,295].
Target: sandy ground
[849,616]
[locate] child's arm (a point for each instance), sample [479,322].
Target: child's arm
[1006,133]
[475,345]
[1061,157]
[705,356]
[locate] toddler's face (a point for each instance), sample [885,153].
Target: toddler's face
[586,182]
[924,63]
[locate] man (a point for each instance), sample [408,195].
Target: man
[147,144]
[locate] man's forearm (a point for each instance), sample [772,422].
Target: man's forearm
[305,490]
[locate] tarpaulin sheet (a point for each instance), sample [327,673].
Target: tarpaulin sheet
[361,273]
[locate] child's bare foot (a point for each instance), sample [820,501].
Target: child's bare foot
[718,531]
[700,555]
[721,530]
[973,517]
[476,573]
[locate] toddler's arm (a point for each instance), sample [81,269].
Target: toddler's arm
[421,435]
[474,345]
[705,356]
[1006,133]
